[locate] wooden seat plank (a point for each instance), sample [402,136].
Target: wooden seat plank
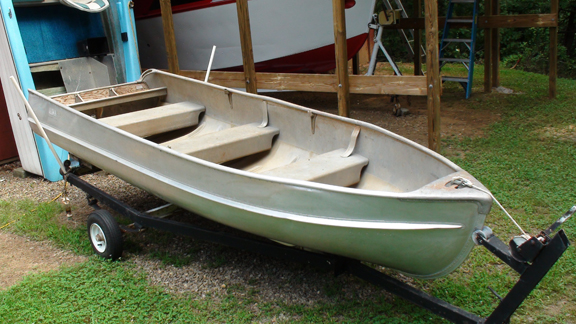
[228,144]
[157,120]
[330,168]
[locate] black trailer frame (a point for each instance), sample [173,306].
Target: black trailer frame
[544,251]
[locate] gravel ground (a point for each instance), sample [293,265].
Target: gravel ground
[209,270]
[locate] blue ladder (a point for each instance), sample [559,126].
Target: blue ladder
[470,44]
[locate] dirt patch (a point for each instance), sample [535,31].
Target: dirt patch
[563,307]
[566,133]
[21,257]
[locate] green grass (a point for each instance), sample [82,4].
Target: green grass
[40,222]
[530,171]
[174,259]
[99,291]
[532,174]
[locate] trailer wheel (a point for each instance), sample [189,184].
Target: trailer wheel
[104,234]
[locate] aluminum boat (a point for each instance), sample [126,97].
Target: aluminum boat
[275,169]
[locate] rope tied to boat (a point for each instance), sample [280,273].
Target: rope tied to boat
[463,182]
[65,200]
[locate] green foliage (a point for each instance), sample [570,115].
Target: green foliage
[525,49]
[529,48]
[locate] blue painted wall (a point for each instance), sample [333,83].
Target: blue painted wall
[16,45]
[52,33]
[48,33]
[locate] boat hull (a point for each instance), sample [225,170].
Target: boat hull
[287,36]
[424,233]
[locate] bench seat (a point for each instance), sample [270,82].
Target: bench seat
[157,120]
[329,168]
[228,144]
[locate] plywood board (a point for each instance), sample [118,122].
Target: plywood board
[23,135]
[377,84]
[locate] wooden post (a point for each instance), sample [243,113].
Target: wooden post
[553,53]
[341,53]
[432,74]
[488,49]
[169,38]
[417,40]
[356,64]
[246,43]
[495,47]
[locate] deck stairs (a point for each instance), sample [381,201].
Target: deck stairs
[150,115]
[469,43]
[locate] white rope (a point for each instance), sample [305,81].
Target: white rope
[40,129]
[467,183]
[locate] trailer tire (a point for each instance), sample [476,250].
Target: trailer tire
[104,234]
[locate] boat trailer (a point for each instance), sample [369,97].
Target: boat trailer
[531,257]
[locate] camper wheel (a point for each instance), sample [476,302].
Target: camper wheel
[104,234]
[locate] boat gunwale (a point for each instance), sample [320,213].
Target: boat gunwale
[301,183]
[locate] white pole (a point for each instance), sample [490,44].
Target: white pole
[40,129]
[210,63]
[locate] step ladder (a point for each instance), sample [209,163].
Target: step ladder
[378,45]
[470,43]
[408,37]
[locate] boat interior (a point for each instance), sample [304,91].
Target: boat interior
[258,146]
